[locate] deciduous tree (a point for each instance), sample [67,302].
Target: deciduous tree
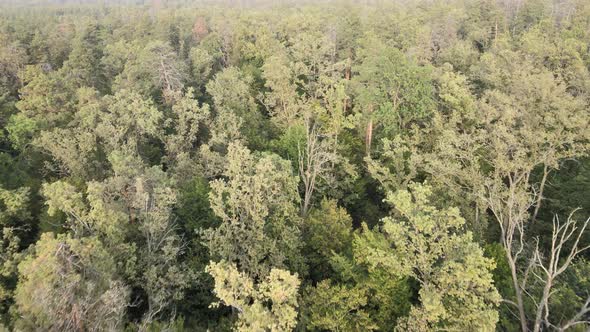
[269,305]
[70,284]
[256,202]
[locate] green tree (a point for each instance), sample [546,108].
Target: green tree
[115,57]
[45,102]
[391,91]
[527,120]
[15,218]
[337,308]
[372,291]
[70,284]
[423,245]
[136,204]
[84,67]
[269,305]
[130,120]
[13,59]
[282,99]
[484,22]
[237,102]
[75,151]
[203,66]
[184,126]
[328,221]
[155,71]
[131,212]
[456,286]
[256,203]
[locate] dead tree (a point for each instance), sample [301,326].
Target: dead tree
[558,259]
[316,159]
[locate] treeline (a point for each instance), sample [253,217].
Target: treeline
[408,166]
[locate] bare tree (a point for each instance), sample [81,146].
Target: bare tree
[166,276]
[316,159]
[510,205]
[565,247]
[159,62]
[578,318]
[555,264]
[170,73]
[546,171]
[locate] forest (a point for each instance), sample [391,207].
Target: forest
[259,165]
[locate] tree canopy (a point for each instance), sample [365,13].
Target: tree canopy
[294,165]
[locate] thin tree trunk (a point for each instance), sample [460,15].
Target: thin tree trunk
[347,70]
[306,201]
[517,291]
[477,226]
[540,197]
[369,137]
[542,304]
[496,33]
[347,73]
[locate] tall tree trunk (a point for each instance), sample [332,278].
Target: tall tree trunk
[347,73]
[540,196]
[306,201]
[517,290]
[347,70]
[477,226]
[496,33]
[369,136]
[542,304]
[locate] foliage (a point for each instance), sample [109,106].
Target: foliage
[337,308]
[70,284]
[456,286]
[343,162]
[328,221]
[256,204]
[269,305]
